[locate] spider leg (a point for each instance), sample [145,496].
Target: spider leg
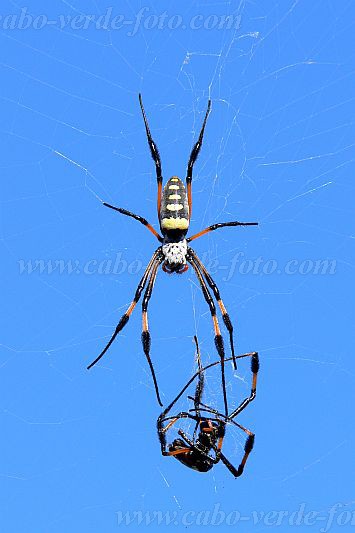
[146,340]
[217,332]
[248,446]
[225,315]
[125,317]
[200,385]
[174,419]
[136,217]
[154,152]
[192,379]
[255,369]
[201,377]
[193,156]
[186,438]
[220,434]
[234,471]
[249,443]
[206,409]
[162,430]
[178,452]
[220,225]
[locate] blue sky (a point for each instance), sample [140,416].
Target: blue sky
[79,449]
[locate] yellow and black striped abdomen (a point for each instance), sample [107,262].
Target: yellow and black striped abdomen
[174,209]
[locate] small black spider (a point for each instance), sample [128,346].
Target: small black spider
[204,449]
[174,212]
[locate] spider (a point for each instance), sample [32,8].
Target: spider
[209,430]
[174,206]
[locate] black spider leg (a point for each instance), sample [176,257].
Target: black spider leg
[201,377]
[200,385]
[125,317]
[249,443]
[217,332]
[218,226]
[248,446]
[234,471]
[255,365]
[197,398]
[192,159]
[163,430]
[226,319]
[163,416]
[154,152]
[136,217]
[146,340]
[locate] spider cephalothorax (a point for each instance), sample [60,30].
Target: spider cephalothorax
[174,204]
[175,257]
[203,449]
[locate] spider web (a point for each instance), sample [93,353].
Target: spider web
[278,149]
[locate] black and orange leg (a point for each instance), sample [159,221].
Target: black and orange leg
[146,340]
[226,319]
[136,217]
[217,332]
[162,430]
[155,154]
[221,434]
[163,416]
[220,225]
[255,365]
[173,419]
[159,192]
[127,314]
[248,446]
[249,443]
[177,452]
[193,156]
[202,370]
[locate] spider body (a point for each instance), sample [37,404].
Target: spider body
[198,456]
[204,449]
[195,459]
[174,206]
[174,211]
[174,223]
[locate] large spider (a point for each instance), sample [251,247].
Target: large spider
[174,212]
[204,449]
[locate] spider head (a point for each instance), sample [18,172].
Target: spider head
[175,257]
[194,458]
